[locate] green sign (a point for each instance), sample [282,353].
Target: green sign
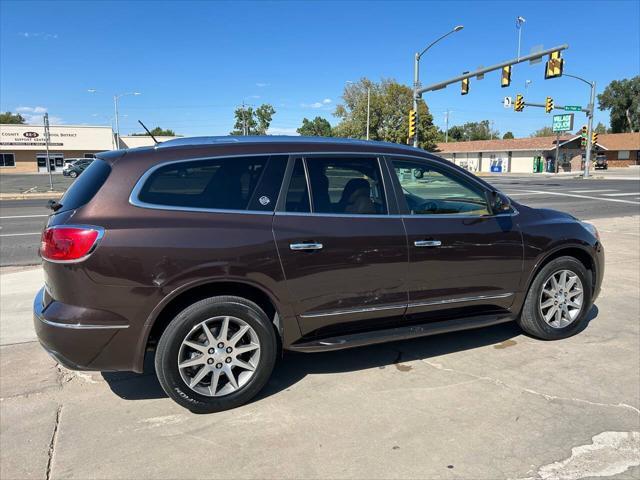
[563,123]
[573,108]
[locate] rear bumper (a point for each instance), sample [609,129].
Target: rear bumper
[64,332]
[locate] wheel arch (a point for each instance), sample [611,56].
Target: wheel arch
[182,298]
[577,251]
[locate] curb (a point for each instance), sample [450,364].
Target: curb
[28,196]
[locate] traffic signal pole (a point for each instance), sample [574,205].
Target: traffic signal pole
[587,157]
[416,77]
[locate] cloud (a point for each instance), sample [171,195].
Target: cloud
[254,96]
[321,104]
[34,116]
[282,131]
[262,85]
[43,35]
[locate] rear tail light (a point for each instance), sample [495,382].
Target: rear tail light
[69,244]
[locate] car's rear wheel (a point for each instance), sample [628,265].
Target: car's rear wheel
[216,354]
[558,300]
[73,174]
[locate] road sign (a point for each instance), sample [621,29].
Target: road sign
[573,108]
[563,123]
[507,102]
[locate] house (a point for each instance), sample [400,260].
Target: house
[537,154]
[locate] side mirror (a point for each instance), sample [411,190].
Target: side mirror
[500,203]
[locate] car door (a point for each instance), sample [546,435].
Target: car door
[463,260]
[343,255]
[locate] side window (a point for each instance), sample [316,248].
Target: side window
[346,186]
[220,183]
[430,191]
[297,193]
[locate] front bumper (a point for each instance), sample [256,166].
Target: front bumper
[73,344]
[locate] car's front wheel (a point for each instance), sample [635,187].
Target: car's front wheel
[558,300]
[73,174]
[216,354]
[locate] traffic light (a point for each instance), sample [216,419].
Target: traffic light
[583,134]
[505,80]
[548,105]
[412,123]
[594,138]
[554,65]
[518,106]
[465,86]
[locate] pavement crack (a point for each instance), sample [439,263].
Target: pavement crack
[52,443]
[546,396]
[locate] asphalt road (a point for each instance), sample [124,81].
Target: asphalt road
[618,194]
[20,183]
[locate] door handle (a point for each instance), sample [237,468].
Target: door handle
[427,243]
[305,246]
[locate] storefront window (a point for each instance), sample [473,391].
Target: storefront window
[7,160]
[623,155]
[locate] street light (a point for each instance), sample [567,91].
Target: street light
[416,76]
[590,107]
[115,103]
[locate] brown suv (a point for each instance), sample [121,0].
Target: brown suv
[219,252]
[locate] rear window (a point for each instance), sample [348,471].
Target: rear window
[217,183]
[84,188]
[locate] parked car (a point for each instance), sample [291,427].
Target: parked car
[70,161]
[218,253]
[76,168]
[601,163]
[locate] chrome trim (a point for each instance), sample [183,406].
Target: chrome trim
[427,243]
[305,246]
[100,231]
[353,311]
[460,300]
[345,215]
[78,326]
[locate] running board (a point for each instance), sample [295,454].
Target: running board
[399,333]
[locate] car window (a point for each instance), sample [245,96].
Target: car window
[297,199]
[346,186]
[220,183]
[434,191]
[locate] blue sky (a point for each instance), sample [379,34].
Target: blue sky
[194,62]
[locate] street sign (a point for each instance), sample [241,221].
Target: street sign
[562,123]
[507,102]
[573,108]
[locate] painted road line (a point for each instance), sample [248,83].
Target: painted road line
[594,191]
[520,193]
[621,194]
[587,197]
[19,234]
[22,216]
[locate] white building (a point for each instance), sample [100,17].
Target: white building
[23,148]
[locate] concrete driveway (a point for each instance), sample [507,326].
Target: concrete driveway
[481,404]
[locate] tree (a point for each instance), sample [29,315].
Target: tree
[13,118]
[157,132]
[318,127]
[600,128]
[622,98]
[390,103]
[543,132]
[508,136]
[473,131]
[255,122]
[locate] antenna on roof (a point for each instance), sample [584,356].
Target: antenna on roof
[150,134]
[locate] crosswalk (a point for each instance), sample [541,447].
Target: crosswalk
[601,194]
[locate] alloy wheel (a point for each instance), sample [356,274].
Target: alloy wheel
[219,356]
[561,299]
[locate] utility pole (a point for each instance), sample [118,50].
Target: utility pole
[46,142]
[519,22]
[368,108]
[446,128]
[555,165]
[115,103]
[244,121]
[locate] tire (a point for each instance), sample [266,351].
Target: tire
[188,325]
[73,174]
[532,320]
